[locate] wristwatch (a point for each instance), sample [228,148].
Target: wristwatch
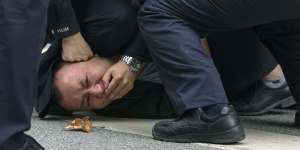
[135,64]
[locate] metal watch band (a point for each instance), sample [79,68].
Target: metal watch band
[135,64]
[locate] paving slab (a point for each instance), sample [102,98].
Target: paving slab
[51,134]
[274,131]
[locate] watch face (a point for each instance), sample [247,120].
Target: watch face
[135,65]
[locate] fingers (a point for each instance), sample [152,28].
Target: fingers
[118,81]
[123,91]
[123,88]
[76,52]
[114,83]
[118,87]
[75,59]
[75,48]
[107,77]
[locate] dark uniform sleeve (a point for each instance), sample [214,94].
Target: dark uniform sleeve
[137,49]
[63,23]
[62,18]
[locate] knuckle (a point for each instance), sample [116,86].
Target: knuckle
[108,91]
[130,88]
[77,59]
[85,57]
[118,77]
[112,96]
[131,84]
[126,82]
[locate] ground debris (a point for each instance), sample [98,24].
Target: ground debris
[80,124]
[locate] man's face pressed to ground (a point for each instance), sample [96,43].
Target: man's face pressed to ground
[80,85]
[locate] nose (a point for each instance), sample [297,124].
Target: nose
[96,90]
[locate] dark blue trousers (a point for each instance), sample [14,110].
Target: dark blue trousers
[241,59]
[172,28]
[22,31]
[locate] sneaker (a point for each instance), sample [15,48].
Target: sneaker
[260,99]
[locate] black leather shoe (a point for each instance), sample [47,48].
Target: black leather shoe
[297,119]
[260,99]
[196,126]
[31,144]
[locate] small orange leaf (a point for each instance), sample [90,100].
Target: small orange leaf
[80,124]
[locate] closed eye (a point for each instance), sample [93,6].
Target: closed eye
[82,83]
[86,80]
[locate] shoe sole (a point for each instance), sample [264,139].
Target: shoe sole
[230,136]
[284,103]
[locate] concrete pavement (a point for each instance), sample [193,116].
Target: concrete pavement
[274,131]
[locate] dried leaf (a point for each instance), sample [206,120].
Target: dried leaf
[82,124]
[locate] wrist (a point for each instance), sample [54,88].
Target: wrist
[135,64]
[75,37]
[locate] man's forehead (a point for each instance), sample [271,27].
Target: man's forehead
[71,86]
[68,75]
[69,89]
[70,79]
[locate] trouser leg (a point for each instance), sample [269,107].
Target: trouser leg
[187,72]
[283,38]
[171,30]
[215,16]
[241,59]
[22,28]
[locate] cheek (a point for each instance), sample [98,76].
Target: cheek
[97,74]
[69,105]
[98,103]
[102,68]
[98,69]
